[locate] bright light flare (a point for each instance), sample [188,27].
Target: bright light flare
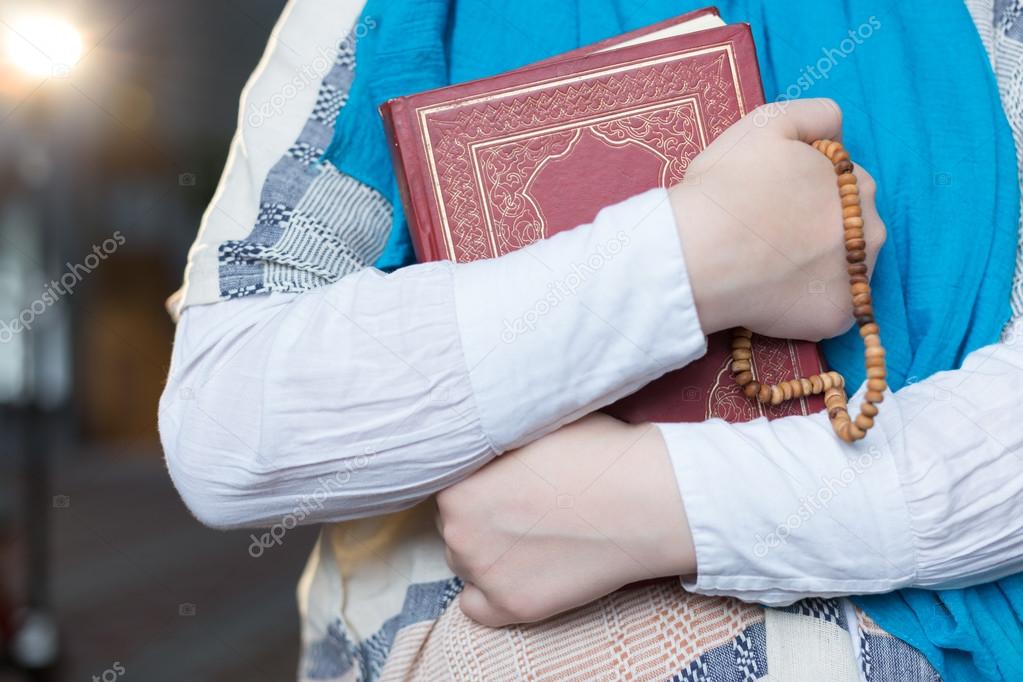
[43,46]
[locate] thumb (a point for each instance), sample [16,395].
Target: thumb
[807,120]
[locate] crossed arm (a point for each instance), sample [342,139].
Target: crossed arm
[378,391]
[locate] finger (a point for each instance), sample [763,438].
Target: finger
[810,120]
[474,604]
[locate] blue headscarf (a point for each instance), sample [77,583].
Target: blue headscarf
[922,114]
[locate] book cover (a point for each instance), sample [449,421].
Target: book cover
[489,166]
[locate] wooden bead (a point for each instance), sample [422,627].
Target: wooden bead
[833,397]
[831,384]
[856,256]
[861,311]
[797,388]
[843,432]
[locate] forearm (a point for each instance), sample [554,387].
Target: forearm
[782,510]
[370,394]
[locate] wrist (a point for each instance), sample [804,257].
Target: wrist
[657,529]
[710,261]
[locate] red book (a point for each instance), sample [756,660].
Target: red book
[489,166]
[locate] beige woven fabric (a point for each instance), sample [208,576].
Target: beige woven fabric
[645,632]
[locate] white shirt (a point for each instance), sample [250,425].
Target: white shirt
[370,394]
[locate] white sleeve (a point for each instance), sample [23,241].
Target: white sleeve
[368,395]
[933,497]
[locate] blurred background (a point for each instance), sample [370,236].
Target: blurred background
[115,121]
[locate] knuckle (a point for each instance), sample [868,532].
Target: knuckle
[866,182]
[882,234]
[452,502]
[514,610]
[455,539]
[769,110]
[829,108]
[763,115]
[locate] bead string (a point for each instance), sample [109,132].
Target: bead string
[831,384]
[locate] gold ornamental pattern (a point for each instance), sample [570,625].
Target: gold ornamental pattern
[775,360]
[672,134]
[671,104]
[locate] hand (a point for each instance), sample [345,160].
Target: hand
[761,225]
[565,520]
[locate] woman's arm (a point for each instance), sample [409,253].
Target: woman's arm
[369,394]
[933,499]
[774,511]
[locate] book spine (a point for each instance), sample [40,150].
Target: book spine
[401,132]
[750,83]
